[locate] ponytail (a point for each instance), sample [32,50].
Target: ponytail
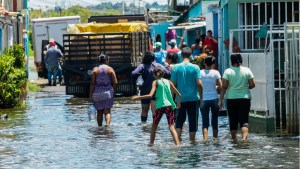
[236,59]
[102,58]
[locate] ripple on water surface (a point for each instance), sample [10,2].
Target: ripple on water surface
[54,132]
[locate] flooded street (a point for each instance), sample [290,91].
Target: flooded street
[54,132]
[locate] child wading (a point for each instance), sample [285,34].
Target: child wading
[164,103]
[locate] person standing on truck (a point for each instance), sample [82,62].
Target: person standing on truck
[103,87]
[52,59]
[146,71]
[59,73]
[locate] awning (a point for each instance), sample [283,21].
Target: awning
[192,25]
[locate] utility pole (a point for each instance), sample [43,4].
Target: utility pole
[123,6]
[139,6]
[134,7]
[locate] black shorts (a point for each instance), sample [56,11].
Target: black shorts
[192,110]
[238,112]
[147,101]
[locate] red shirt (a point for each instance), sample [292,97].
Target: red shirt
[210,42]
[173,50]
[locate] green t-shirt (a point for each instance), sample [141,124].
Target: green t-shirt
[238,87]
[163,94]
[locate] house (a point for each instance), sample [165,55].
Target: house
[13,23]
[188,22]
[275,99]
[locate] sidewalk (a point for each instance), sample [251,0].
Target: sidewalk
[33,78]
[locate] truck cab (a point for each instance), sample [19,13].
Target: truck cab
[42,30]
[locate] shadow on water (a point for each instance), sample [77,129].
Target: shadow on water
[54,132]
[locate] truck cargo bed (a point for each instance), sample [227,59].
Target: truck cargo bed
[81,52]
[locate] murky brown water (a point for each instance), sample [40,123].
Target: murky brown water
[54,132]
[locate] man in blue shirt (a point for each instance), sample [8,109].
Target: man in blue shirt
[187,79]
[160,55]
[53,55]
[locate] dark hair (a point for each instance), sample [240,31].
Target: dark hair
[158,71]
[186,52]
[236,59]
[209,31]
[210,60]
[148,58]
[197,40]
[183,45]
[102,58]
[173,57]
[157,38]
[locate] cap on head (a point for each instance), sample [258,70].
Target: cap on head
[173,42]
[158,44]
[52,43]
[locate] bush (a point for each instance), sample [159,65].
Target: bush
[12,76]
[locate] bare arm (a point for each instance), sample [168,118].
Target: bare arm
[219,84]
[114,80]
[174,90]
[148,96]
[214,39]
[92,84]
[251,83]
[200,89]
[222,93]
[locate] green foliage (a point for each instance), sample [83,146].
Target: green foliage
[12,76]
[199,60]
[103,9]
[31,87]
[17,52]
[83,12]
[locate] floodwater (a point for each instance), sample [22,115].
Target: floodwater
[54,132]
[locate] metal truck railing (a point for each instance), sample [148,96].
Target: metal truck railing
[82,50]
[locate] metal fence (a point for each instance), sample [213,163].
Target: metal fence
[292,75]
[277,75]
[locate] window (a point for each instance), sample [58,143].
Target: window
[254,14]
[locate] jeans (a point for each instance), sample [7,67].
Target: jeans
[59,74]
[205,107]
[52,70]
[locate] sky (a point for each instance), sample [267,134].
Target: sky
[36,4]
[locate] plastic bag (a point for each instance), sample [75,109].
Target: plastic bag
[139,81]
[92,112]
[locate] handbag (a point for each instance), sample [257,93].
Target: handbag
[101,96]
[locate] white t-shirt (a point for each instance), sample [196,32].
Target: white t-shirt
[209,80]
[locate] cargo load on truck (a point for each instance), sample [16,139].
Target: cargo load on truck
[124,43]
